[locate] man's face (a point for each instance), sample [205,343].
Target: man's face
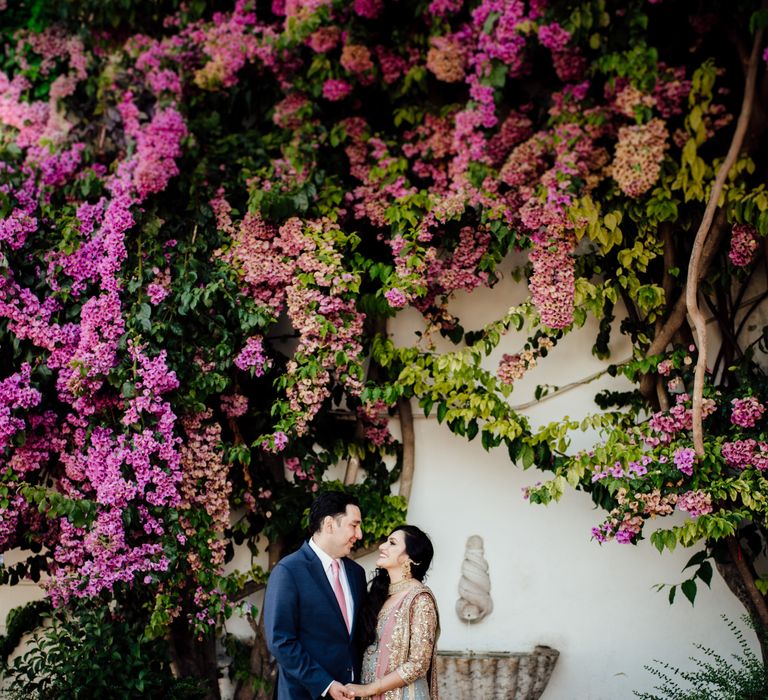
[343,531]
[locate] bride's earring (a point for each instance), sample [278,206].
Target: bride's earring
[406,569]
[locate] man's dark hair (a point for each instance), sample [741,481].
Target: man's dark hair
[333,503]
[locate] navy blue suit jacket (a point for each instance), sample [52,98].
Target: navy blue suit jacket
[304,626]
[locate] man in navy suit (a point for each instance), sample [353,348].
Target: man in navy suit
[311,605]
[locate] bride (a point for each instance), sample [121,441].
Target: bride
[400,622]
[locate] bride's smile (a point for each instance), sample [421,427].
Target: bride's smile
[392,552]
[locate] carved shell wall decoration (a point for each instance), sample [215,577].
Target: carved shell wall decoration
[475,584]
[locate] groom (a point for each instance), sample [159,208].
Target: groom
[311,605]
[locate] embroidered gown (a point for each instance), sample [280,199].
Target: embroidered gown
[406,636]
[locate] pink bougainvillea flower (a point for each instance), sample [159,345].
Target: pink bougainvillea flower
[744,243]
[335,90]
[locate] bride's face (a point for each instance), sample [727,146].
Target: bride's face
[392,553]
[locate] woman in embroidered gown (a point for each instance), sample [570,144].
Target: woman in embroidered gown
[400,622]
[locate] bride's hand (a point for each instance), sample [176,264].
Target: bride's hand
[359,691]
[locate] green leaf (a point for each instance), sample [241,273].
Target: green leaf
[758,20]
[442,409]
[689,151]
[705,572]
[526,455]
[657,539]
[689,589]
[489,22]
[144,317]
[498,75]
[696,559]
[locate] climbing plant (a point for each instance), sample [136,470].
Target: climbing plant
[210,210]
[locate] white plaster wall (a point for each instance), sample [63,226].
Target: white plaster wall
[550,583]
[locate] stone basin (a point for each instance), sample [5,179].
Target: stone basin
[495,675]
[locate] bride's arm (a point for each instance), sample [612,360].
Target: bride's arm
[423,636]
[423,619]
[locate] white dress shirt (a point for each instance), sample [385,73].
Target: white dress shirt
[326,560]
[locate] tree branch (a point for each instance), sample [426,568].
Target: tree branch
[409,447]
[694,269]
[676,317]
[661,394]
[756,598]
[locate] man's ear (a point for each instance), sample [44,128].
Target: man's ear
[328,524]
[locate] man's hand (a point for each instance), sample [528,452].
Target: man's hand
[338,692]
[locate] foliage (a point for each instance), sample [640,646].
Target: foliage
[715,678]
[209,211]
[20,621]
[94,653]
[240,670]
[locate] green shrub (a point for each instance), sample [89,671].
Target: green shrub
[743,677]
[20,621]
[95,653]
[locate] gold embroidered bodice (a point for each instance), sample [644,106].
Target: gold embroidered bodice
[411,645]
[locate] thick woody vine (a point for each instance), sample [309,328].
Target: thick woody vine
[754,601]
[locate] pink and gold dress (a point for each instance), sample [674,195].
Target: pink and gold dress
[406,636]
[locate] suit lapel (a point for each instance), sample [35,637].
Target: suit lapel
[354,583]
[315,567]
[356,589]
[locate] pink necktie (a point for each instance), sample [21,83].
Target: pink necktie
[339,591]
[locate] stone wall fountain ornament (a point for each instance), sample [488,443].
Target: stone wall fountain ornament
[493,675]
[475,601]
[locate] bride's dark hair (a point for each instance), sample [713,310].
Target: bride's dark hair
[419,549]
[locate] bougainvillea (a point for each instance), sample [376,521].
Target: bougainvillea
[207,216]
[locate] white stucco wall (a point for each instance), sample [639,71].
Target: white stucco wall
[550,583]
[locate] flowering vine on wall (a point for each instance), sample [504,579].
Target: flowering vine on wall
[208,212]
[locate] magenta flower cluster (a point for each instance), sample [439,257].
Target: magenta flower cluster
[375,422]
[635,469]
[665,426]
[684,459]
[742,454]
[336,89]
[252,358]
[746,412]
[141,467]
[744,243]
[15,393]
[695,503]
[205,486]
[234,405]
[117,449]
[396,298]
